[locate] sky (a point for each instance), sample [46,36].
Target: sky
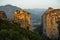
[31,4]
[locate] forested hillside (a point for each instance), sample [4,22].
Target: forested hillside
[13,31]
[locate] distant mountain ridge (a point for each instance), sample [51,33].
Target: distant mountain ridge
[36,11]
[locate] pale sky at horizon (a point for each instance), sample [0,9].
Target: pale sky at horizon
[30,4]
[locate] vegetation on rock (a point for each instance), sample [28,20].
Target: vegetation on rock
[13,31]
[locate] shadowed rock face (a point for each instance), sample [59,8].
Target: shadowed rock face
[58,22]
[50,25]
[2,15]
[22,17]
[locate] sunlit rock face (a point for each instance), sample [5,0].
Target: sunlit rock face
[50,23]
[22,17]
[2,15]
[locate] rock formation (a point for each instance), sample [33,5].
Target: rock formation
[50,23]
[2,15]
[23,18]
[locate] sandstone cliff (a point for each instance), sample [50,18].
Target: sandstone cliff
[23,18]
[50,25]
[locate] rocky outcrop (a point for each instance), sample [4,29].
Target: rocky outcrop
[50,25]
[23,18]
[2,15]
